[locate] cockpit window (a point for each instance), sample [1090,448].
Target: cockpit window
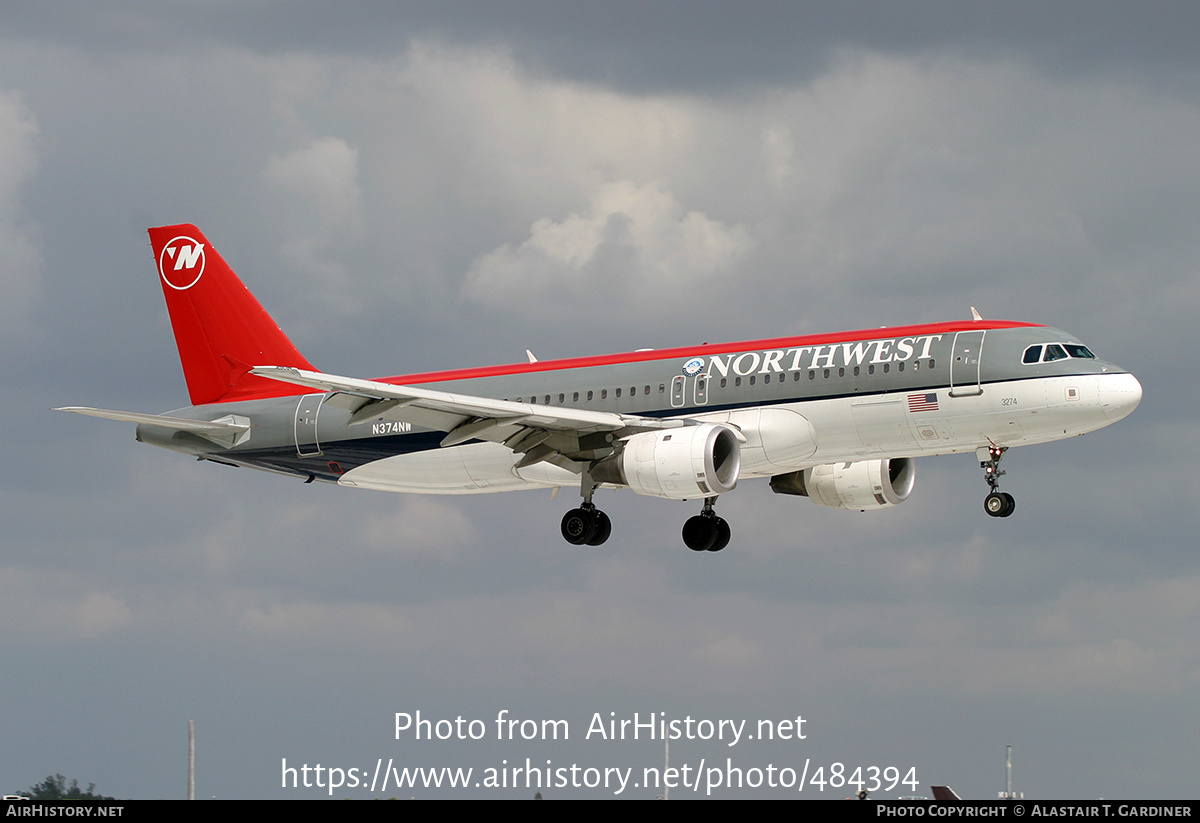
[1049,352]
[1055,352]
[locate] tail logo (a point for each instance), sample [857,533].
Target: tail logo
[181,262]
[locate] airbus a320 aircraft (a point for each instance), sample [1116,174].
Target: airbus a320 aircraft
[838,418]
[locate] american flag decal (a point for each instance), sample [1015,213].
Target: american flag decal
[922,402]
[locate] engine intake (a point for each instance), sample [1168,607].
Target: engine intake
[868,484]
[678,464]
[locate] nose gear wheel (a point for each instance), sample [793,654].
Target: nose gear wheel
[997,503]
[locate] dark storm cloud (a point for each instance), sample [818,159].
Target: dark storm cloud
[681,45]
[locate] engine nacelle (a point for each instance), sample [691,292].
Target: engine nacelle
[678,464]
[868,484]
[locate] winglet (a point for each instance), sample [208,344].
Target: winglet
[220,328]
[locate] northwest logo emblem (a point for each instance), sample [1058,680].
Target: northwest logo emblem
[181,262]
[693,366]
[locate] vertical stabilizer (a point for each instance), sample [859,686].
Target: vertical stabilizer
[222,331]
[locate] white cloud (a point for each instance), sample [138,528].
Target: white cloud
[633,245]
[325,174]
[323,177]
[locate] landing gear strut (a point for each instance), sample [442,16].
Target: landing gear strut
[706,532]
[586,525]
[997,503]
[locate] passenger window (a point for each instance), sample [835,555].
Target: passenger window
[562,398]
[900,366]
[662,388]
[752,379]
[870,369]
[737,381]
[547,403]
[931,362]
[589,394]
[1032,354]
[766,378]
[575,397]
[647,391]
[856,370]
[723,382]
[604,394]
[887,367]
[618,392]
[841,372]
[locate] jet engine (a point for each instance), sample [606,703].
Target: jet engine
[678,464]
[868,484]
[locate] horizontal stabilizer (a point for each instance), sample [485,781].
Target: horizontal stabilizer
[178,423]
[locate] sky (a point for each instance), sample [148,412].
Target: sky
[415,186]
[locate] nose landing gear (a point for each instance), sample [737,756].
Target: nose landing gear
[997,503]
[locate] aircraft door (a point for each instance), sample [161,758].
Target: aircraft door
[306,425]
[700,390]
[678,383]
[964,364]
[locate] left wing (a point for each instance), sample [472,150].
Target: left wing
[561,435]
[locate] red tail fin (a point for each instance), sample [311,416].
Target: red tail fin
[221,330]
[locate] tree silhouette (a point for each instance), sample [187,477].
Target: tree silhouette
[55,787]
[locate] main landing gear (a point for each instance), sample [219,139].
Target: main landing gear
[587,525]
[706,532]
[997,503]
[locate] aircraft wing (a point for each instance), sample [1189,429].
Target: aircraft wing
[558,434]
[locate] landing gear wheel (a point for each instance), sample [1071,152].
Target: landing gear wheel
[700,533]
[999,504]
[722,537]
[579,526]
[603,528]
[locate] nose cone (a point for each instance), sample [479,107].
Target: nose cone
[1119,395]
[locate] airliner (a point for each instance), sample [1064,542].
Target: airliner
[837,418]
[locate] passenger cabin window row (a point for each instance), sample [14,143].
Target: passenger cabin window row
[884,368]
[827,373]
[1049,352]
[561,397]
